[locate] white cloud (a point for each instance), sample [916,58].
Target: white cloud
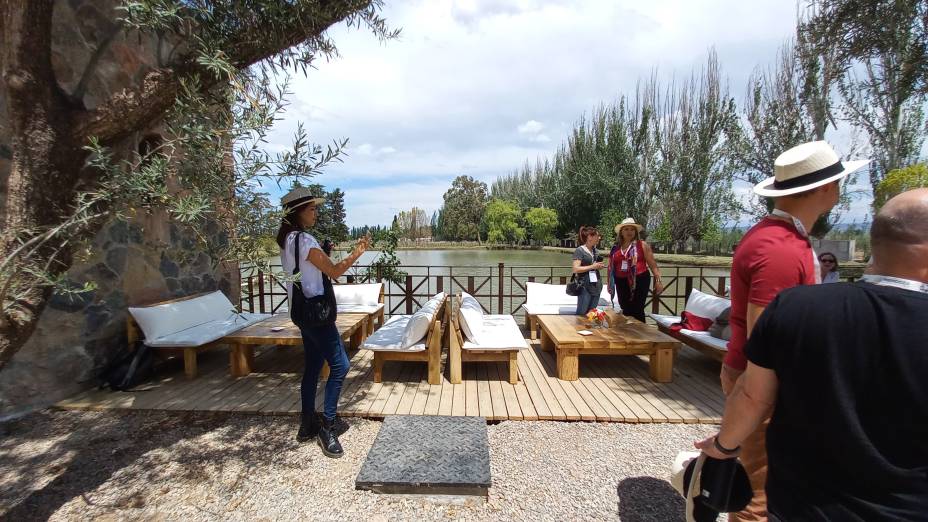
[445,98]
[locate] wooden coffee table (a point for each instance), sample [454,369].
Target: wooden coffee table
[626,336]
[352,327]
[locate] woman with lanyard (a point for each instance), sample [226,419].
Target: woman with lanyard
[586,266]
[320,343]
[628,269]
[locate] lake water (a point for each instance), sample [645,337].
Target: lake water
[457,270]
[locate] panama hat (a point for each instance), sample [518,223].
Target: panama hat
[628,222]
[710,486]
[300,196]
[805,167]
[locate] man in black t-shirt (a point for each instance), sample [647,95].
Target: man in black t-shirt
[844,367]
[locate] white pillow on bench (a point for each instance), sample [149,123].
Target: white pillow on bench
[705,305]
[168,318]
[470,316]
[366,294]
[418,325]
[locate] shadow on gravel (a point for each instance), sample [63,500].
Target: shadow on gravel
[138,454]
[649,499]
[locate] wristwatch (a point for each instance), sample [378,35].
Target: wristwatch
[722,449]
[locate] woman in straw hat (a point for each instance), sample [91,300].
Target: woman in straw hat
[299,250]
[629,277]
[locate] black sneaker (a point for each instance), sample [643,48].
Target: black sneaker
[309,427]
[328,439]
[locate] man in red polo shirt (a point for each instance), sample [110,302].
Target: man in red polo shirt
[775,255]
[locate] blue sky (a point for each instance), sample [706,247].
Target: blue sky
[478,87]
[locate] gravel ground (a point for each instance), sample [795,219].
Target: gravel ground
[159,466]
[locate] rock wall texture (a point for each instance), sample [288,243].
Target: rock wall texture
[136,261]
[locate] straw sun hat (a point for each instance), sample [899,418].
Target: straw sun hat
[628,222]
[300,196]
[805,167]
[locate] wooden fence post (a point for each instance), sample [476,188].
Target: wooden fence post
[722,292]
[409,295]
[501,269]
[251,294]
[470,285]
[440,284]
[261,291]
[688,288]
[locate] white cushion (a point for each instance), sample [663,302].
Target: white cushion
[549,309]
[540,293]
[705,305]
[417,327]
[359,309]
[366,294]
[164,319]
[471,317]
[207,332]
[704,337]
[500,332]
[389,338]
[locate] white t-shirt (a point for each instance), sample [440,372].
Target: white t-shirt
[310,276]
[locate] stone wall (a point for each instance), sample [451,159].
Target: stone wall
[136,261]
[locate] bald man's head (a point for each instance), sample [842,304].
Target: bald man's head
[903,219]
[900,230]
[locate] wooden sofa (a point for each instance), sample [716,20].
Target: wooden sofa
[502,341]
[545,299]
[187,325]
[387,346]
[701,341]
[365,298]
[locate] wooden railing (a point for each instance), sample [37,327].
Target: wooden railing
[500,289]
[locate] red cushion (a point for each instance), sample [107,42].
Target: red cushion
[689,321]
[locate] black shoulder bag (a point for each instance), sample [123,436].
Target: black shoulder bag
[574,286]
[311,312]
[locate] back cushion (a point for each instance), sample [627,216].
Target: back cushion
[706,306]
[165,319]
[366,294]
[471,318]
[540,293]
[417,327]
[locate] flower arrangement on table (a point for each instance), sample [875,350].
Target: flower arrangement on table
[597,318]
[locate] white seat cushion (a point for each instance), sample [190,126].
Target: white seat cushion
[207,332]
[704,337]
[500,332]
[164,319]
[389,338]
[550,309]
[366,294]
[359,309]
[705,305]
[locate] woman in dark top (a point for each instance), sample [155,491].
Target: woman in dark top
[587,264]
[628,269]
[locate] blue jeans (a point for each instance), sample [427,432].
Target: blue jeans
[323,344]
[586,300]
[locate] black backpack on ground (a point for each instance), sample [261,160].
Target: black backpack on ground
[129,369]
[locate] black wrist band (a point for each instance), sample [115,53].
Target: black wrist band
[726,451]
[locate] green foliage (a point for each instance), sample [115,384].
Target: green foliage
[463,209]
[387,264]
[502,219]
[899,181]
[662,232]
[412,224]
[608,221]
[541,222]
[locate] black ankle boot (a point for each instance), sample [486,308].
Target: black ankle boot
[309,427]
[328,440]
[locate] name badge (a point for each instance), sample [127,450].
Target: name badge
[624,266]
[593,277]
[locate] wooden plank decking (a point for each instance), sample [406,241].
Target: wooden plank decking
[610,389]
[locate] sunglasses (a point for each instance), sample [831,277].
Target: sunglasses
[825,260]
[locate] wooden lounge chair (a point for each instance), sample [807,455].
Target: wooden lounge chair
[386,343]
[362,298]
[702,341]
[501,341]
[187,325]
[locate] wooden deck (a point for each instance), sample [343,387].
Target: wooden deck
[610,389]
